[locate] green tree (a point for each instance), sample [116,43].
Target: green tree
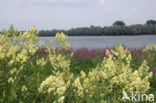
[151,22]
[119,23]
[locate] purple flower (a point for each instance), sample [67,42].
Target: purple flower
[139,57]
[39,50]
[134,57]
[135,50]
[80,56]
[154,70]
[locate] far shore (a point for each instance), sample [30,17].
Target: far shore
[98,35]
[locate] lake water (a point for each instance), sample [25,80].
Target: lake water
[106,41]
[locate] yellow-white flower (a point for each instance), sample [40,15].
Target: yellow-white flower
[24,88]
[13,71]
[11,80]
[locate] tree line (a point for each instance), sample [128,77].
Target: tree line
[117,28]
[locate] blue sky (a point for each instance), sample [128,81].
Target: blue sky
[66,14]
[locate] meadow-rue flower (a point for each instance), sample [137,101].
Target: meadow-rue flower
[13,71]
[41,62]
[83,74]
[24,88]
[61,99]
[113,71]
[54,84]
[10,80]
[61,90]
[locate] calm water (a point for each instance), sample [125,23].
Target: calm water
[106,41]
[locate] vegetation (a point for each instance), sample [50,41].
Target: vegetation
[119,23]
[151,22]
[118,28]
[30,73]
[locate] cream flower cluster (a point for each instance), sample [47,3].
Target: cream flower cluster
[113,75]
[54,85]
[41,62]
[59,62]
[150,47]
[61,41]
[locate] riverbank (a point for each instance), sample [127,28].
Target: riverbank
[92,35]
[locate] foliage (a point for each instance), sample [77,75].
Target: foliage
[119,23]
[26,77]
[137,29]
[151,22]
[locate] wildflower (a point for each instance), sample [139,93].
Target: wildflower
[41,62]
[10,80]
[13,71]
[10,62]
[83,74]
[78,85]
[61,90]
[24,88]
[154,70]
[61,99]
[139,57]
[61,41]
[59,62]
[113,71]
[50,89]
[54,84]
[134,57]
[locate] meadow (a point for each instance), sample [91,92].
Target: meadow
[33,73]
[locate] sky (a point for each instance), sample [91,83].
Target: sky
[67,14]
